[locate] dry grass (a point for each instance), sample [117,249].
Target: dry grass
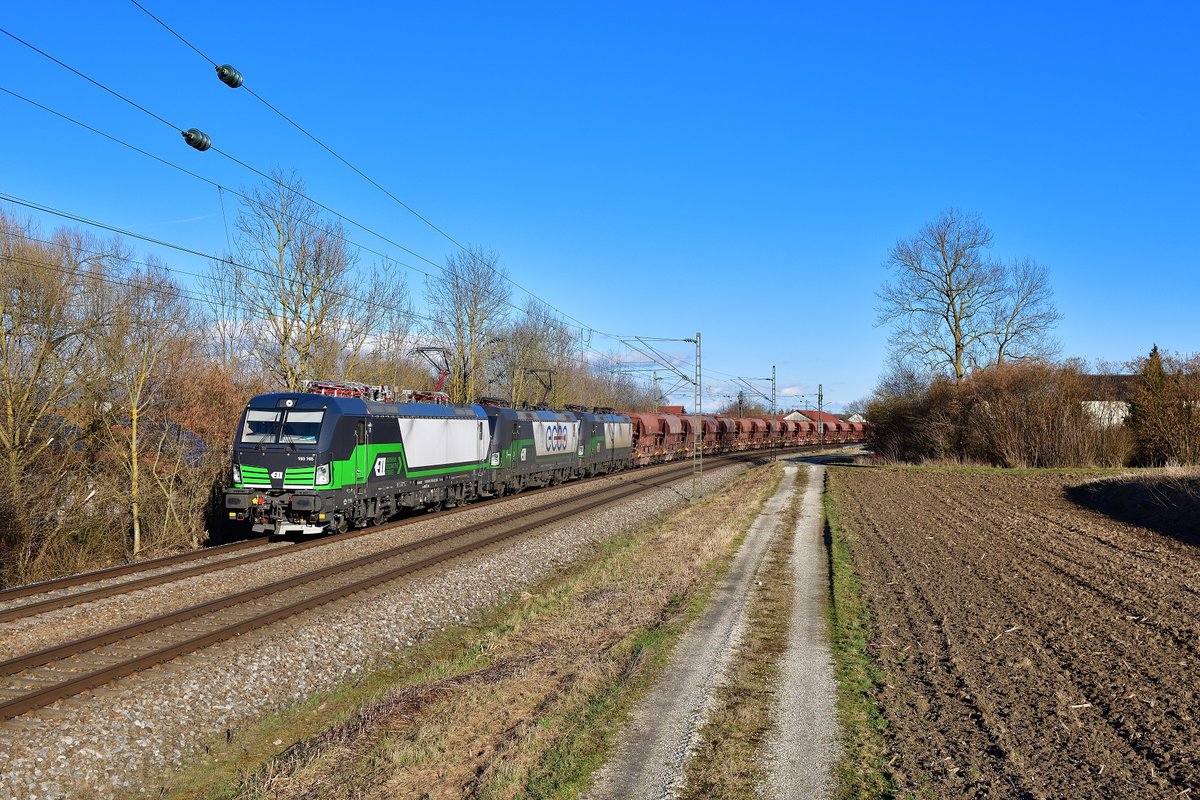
[729,761]
[527,702]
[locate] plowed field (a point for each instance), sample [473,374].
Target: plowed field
[1031,648]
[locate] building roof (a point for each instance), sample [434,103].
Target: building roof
[1110,387]
[812,416]
[670,409]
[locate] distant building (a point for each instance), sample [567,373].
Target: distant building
[671,410]
[1108,396]
[812,416]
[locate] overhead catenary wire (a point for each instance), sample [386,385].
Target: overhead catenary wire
[230,157]
[175,290]
[584,329]
[245,198]
[388,259]
[251,201]
[184,249]
[206,299]
[358,171]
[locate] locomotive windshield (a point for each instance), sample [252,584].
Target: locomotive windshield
[260,426]
[301,427]
[268,426]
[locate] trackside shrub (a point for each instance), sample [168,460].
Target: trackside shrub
[1010,415]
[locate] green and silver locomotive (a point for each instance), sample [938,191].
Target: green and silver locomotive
[311,462]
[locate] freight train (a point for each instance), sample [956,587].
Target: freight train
[341,455]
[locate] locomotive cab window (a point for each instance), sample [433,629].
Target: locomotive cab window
[260,426]
[291,427]
[301,427]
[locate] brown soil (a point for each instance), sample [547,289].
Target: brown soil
[1031,648]
[1165,501]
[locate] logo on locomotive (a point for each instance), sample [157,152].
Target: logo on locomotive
[556,438]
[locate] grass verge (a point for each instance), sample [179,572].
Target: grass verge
[526,702]
[729,759]
[862,771]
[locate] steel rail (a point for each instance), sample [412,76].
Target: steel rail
[261,553]
[19,663]
[41,587]
[45,696]
[120,570]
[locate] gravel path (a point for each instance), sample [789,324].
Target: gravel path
[649,759]
[804,744]
[104,745]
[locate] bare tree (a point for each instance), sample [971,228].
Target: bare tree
[539,340]
[952,308]
[1024,317]
[385,355]
[292,289]
[608,384]
[469,302]
[229,324]
[138,351]
[51,309]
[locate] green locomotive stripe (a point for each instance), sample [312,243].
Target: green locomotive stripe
[252,474]
[511,456]
[299,476]
[360,466]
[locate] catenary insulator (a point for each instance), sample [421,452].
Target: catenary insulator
[229,76]
[197,139]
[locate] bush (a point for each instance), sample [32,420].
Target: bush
[1164,413]
[1011,415]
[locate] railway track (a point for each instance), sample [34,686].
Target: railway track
[181,566]
[222,557]
[35,680]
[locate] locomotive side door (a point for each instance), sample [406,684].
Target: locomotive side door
[361,465]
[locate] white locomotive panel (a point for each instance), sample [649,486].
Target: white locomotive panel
[437,442]
[555,438]
[617,435]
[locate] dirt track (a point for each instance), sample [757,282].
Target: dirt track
[1032,648]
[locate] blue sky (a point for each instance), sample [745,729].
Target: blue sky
[658,169]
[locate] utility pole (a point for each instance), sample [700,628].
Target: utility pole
[820,417]
[774,444]
[697,453]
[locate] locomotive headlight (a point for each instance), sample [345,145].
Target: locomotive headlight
[237,474]
[322,475]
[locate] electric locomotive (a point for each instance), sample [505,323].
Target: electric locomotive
[541,447]
[342,455]
[606,440]
[338,455]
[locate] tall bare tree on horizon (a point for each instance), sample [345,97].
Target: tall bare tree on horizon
[952,308]
[291,298]
[469,304]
